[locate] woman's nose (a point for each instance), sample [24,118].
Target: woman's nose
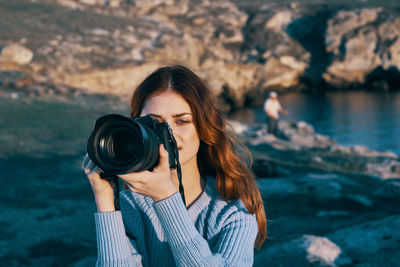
[175,131]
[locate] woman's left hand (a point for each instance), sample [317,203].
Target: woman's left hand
[156,184]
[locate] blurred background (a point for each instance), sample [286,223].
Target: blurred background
[330,180]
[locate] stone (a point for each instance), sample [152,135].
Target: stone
[16,53]
[320,250]
[376,238]
[309,250]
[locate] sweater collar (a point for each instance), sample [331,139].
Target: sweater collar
[203,199]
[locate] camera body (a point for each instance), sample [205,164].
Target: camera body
[120,145]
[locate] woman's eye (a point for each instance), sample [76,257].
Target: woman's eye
[181,122]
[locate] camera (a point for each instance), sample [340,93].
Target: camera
[120,145]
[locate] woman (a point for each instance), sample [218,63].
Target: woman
[224,217]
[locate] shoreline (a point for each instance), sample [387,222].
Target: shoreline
[298,146]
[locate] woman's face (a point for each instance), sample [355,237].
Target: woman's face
[173,109]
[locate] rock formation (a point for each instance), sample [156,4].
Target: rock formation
[299,147]
[242,48]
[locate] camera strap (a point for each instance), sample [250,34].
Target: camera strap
[178,168]
[115,184]
[181,190]
[116,193]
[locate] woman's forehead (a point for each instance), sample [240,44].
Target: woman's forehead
[166,103]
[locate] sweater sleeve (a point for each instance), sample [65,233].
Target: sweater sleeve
[235,242]
[113,246]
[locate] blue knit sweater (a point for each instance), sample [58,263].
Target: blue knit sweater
[211,232]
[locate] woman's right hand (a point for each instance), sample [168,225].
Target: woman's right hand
[102,189]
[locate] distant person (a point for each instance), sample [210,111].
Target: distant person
[224,215]
[272,108]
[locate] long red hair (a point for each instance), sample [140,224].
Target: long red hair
[217,154]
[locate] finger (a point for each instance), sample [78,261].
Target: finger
[131,187]
[164,159]
[95,169]
[84,161]
[135,177]
[112,181]
[89,166]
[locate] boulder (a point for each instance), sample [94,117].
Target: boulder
[371,243]
[308,250]
[15,53]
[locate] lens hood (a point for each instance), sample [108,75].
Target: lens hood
[120,144]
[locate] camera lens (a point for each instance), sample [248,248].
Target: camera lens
[120,144]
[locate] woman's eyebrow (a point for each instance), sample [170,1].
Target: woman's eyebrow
[155,115]
[181,114]
[173,116]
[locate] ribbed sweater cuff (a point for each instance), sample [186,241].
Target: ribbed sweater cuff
[175,220]
[112,242]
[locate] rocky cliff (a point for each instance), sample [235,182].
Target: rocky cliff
[298,147]
[242,48]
